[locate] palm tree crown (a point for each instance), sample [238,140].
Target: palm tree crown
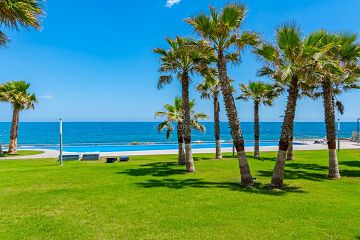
[184,56]
[222,29]
[174,114]
[260,92]
[16,93]
[293,56]
[209,87]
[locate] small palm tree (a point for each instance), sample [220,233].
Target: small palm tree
[19,13]
[16,93]
[222,29]
[210,88]
[174,114]
[261,93]
[184,58]
[291,63]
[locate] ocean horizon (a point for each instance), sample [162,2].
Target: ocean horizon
[124,133]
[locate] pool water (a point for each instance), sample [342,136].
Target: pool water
[140,147]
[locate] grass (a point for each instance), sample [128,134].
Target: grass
[151,197]
[22,153]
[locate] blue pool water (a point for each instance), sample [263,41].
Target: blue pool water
[142,147]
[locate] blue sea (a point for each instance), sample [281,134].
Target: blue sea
[131,136]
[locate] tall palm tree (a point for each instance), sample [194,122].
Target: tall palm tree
[174,114]
[19,13]
[340,73]
[290,62]
[222,29]
[16,93]
[184,58]
[210,88]
[261,93]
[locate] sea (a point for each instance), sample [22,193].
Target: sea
[134,136]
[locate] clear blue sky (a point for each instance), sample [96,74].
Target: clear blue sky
[94,61]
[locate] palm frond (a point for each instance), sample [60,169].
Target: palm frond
[164,80]
[289,40]
[248,39]
[4,40]
[21,13]
[233,15]
[340,107]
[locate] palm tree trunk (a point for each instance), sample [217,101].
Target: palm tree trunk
[236,133]
[181,154]
[286,133]
[290,151]
[190,166]
[329,110]
[14,131]
[256,130]
[217,126]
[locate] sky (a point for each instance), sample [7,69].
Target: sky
[94,61]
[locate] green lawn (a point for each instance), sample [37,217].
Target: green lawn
[152,198]
[22,153]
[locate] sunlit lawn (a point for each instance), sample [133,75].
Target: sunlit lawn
[152,198]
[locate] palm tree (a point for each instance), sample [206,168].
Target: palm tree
[347,53]
[16,93]
[290,63]
[174,114]
[19,13]
[261,93]
[340,73]
[210,88]
[222,30]
[184,58]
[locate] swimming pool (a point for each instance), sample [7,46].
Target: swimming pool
[139,147]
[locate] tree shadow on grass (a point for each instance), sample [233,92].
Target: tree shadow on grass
[350,173]
[156,169]
[250,157]
[351,163]
[196,158]
[313,172]
[273,159]
[301,171]
[296,174]
[200,183]
[307,166]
